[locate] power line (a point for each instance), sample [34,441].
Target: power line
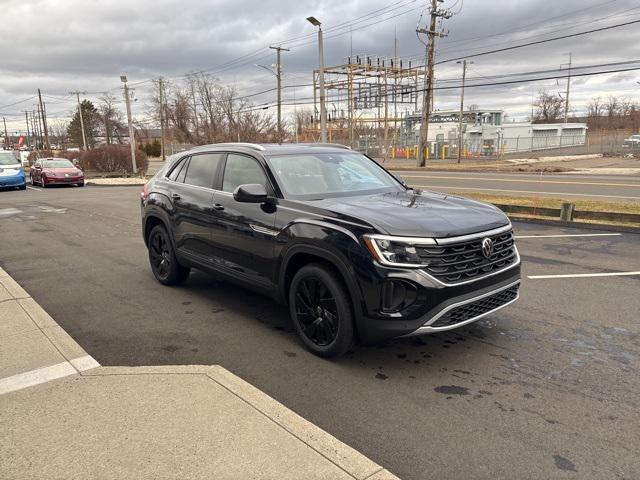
[528,44]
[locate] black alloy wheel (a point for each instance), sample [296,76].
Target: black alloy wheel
[321,311]
[164,264]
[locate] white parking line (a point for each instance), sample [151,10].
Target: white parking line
[570,235]
[46,374]
[36,189]
[583,275]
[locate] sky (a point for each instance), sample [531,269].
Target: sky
[61,46]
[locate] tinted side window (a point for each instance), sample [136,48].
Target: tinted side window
[241,170]
[202,169]
[177,169]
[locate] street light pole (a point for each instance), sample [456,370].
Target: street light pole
[132,141]
[323,110]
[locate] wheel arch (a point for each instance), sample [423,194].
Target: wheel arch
[300,255]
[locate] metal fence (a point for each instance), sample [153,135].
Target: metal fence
[608,144]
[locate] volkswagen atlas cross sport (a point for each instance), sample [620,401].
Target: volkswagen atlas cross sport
[354,252]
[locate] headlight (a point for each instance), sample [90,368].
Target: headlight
[396,251]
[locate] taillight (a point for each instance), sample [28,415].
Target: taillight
[145,192]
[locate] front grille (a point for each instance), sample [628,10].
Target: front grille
[474,309]
[463,261]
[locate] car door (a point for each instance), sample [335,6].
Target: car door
[243,233]
[191,191]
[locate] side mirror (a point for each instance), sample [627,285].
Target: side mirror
[251,193]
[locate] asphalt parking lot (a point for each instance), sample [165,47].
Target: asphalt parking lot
[547,388]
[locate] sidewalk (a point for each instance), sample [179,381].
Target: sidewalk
[64,416]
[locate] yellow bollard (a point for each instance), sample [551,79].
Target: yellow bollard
[415,151]
[443,151]
[393,153]
[406,152]
[466,152]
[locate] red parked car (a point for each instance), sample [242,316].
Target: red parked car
[55,171]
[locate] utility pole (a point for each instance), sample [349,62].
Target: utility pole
[132,140]
[44,121]
[161,94]
[566,100]
[427,100]
[84,137]
[26,117]
[386,109]
[323,109]
[279,79]
[464,76]
[6,135]
[39,125]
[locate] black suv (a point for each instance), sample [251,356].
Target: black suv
[354,252]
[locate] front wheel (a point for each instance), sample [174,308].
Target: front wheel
[164,264]
[321,311]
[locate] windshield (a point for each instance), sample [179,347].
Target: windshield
[322,175]
[8,158]
[59,163]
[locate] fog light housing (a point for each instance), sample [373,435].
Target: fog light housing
[397,295]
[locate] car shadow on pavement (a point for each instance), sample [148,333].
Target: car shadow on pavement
[435,350]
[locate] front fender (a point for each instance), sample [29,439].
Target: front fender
[335,244]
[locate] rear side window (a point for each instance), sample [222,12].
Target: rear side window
[202,170]
[177,169]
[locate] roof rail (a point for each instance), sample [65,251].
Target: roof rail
[254,146]
[334,145]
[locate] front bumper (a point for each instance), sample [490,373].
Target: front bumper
[12,180]
[436,307]
[63,180]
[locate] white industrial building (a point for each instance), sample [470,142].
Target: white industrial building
[485,133]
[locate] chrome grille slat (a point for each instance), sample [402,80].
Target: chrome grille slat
[463,261]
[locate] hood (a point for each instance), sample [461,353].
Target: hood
[417,213]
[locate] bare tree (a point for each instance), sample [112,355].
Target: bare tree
[112,118]
[549,107]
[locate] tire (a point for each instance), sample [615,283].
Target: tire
[162,258]
[42,182]
[23,187]
[321,311]
[32,182]
[81,184]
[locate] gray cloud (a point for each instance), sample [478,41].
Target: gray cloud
[61,46]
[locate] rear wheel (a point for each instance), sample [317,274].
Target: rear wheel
[23,187]
[43,182]
[321,311]
[81,184]
[164,264]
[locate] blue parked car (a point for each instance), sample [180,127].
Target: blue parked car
[11,171]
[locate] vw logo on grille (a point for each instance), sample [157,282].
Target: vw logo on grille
[487,247]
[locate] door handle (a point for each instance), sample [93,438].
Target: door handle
[175,196]
[218,206]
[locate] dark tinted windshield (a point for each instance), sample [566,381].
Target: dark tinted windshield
[8,158]
[322,175]
[58,163]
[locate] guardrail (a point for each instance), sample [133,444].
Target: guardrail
[568,213]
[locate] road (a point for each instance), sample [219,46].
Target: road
[547,388]
[569,187]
